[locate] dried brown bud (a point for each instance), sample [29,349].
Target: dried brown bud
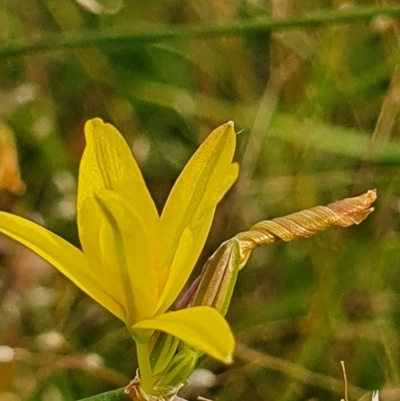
[306,223]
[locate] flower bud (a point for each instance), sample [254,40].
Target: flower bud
[179,369]
[218,278]
[162,349]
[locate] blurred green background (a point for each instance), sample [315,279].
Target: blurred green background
[317,108]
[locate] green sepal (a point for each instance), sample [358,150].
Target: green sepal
[218,277]
[162,349]
[179,369]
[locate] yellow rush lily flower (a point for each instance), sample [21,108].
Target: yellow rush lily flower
[135,262]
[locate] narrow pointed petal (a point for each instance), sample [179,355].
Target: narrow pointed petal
[178,276]
[127,256]
[108,163]
[201,327]
[89,234]
[61,254]
[191,206]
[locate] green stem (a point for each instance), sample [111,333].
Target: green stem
[146,379]
[164,33]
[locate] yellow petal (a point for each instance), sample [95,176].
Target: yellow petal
[191,206]
[177,276]
[61,254]
[107,163]
[201,327]
[89,234]
[127,256]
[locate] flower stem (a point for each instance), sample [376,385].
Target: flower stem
[144,366]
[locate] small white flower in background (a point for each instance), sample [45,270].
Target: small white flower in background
[375,395]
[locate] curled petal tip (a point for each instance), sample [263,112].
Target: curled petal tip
[354,210]
[372,195]
[366,199]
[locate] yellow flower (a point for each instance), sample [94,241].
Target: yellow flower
[135,262]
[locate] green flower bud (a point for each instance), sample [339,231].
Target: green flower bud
[162,349]
[179,369]
[218,278]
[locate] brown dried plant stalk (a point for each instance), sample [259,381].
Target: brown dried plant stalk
[214,286]
[306,223]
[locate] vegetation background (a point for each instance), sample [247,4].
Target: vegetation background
[313,88]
